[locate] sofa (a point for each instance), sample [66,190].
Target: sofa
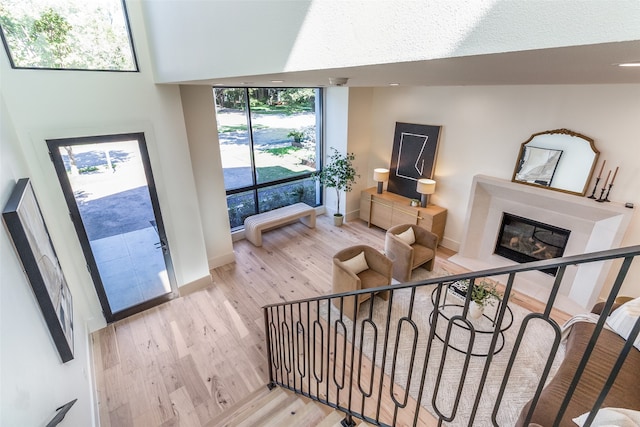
[625,392]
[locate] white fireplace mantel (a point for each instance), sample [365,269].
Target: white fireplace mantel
[594,227]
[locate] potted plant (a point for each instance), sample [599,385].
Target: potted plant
[483,294]
[414,202]
[340,174]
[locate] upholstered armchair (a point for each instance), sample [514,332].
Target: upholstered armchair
[359,267]
[409,247]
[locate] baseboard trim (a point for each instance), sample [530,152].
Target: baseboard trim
[195,286]
[236,235]
[353,215]
[222,260]
[450,244]
[93,324]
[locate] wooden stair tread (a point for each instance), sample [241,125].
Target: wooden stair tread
[237,406]
[332,420]
[270,409]
[278,407]
[309,416]
[284,416]
[252,403]
[297,415]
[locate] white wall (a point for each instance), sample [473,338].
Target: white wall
[202,132]
[483,127]
[191,39]
[336,128]
[54,104]
[33,380]
[359,143]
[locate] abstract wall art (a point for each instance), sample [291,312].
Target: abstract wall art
[26,226]
[414,156]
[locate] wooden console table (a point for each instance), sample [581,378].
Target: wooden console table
[388,209]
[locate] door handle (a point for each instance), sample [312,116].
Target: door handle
[164,246]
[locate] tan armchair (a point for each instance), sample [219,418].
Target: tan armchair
[407,257]
[377,274]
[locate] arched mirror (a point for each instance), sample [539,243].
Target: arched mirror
[559,159]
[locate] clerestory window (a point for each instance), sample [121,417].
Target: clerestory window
[67,35]
[270,140]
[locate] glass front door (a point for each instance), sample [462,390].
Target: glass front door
[109,188]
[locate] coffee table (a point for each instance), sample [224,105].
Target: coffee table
[450,309]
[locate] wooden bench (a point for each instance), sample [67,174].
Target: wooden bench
[256,224]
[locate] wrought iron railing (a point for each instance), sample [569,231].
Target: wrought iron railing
[394,363]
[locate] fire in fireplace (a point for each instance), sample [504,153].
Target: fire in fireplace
[525,240]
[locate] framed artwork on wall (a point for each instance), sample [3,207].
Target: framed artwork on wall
[26,226]
[538,165]
[414,156]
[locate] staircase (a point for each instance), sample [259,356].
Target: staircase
[374,368]
[278,408]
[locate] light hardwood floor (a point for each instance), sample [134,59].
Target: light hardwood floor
[186,362]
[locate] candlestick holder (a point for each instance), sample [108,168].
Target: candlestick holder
[592,196]
[606,198]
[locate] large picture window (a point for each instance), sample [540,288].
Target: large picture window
[67,34]
[269,143]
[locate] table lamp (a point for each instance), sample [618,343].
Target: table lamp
[425,187]
[380,175]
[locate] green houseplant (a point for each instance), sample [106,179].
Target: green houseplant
[483,294]
[340,174]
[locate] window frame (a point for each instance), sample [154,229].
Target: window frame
[134,57]
[255,187]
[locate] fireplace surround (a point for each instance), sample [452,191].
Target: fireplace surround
[593,226]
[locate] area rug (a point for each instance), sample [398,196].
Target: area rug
[524,376]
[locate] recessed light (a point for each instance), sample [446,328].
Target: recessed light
[629,64]
[394,84]
[277,81]
[218,84]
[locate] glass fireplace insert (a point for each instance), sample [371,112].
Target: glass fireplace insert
[525,240]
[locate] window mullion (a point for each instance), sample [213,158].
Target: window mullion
[254,172]
[320,142]
[280,182]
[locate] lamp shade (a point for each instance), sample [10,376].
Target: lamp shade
[426,186]
[380,175]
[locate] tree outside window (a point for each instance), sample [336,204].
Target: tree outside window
[67,34]
[269,141]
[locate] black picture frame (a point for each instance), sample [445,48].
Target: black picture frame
[413,157]
[25,224]
[538,165]
[61,412]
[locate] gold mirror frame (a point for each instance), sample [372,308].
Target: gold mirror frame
[569,159]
